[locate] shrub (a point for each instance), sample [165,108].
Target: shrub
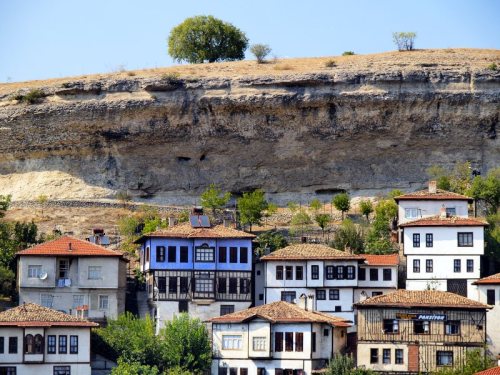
[260,51]
[492,66]
[405,41]
[330,63]
[171,77]
[348,53]
[32,97]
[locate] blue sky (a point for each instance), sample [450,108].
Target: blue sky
[56,38]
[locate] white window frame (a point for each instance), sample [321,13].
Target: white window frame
[100,300]
[412,213]
[79,301]
[259,343]
[95,273]
[34,271]
[232,342]
[46,300]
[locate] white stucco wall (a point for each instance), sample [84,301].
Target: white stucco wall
[492,317]
[431,208]
[363,357]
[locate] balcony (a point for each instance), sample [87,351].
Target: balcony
[64,283]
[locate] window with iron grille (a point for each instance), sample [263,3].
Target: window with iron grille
[160,253]
[465,239]
[315,272]
[416,239]
[279,272]
[416,265]
[457,265]
[429,240]
[470,265]
[429,266]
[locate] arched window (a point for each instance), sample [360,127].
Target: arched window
[38,344]
[28,344]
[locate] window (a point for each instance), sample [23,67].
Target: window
[34,271]
[94,273]
[204,254]
[222,254]
[243,254]
[172,284]
[421,327]
[315,272]
[457,265]
[278,341]
[490,296]
[226,309]
[46,300]
[244,286]
[29,344]
[399,356]
[51,344]
[288,296]
[103,302]
[62,370]
[222,285]
[172,254]
[338,308]
[243,371]
[373,274]
[2,345]
[340,272]
[411,213]
[313,342]
[452,327]
[470,265]
[289,272]
[160,254]
[63,344]
[289,341]
[428,265]
[386,356]
[429,240]
[12,345]
[184,254]
[373,355]
[233,371]
[416,265]
[259,344]
[299,273]
[444,358]
[261,296]
[232,342]
[233,285]
[233,255]
[147,254]
[391,325]
[320,294]
[351,274]
[7,370]
[374,294]
[465,239]
[451,211]
[63,268]
[299,342]
[184,284]
[362,273]
[279,272]
[183,306]
[387,274]
[207,286]
[78,300]
[73,344]
[161,284]
[416,239]
[326,332]
[330,274]
[334,294]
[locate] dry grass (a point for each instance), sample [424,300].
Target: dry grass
[439,58]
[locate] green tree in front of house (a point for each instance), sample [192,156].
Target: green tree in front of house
[251,207]
[475,361]
[378,239]
[345,365]
[270,241]
[349,236]
[214,198]
[134,368]
[366,208]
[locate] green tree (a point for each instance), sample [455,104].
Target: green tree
[344,365]
[300,221]
[206,38]
[378,240]
[42,201]
[441,176]
[214,198]
[271,241]
[186,344]
[487,189]
[405,41]
[260,51]
[349,236]
[461,178]
[251,206]
[342,203]
[366,208]
[475,361]
[322,220]
[7,281]
[4,204]
[315,205]
[134,368]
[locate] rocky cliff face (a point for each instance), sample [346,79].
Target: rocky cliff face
[359,126]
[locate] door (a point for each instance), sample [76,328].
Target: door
[458,287]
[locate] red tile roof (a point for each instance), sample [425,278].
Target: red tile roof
[438,195]
[489,280]
[69,246]
[185,230]
[382,260]
[310,252]
[453,221]
[421,298]
[33,315]
[281,312]
[490,371]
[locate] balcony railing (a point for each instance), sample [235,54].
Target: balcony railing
[64,283]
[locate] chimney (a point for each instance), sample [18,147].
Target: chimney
[302,302]
[171,221]
[432,187]
[69,247]
[227,223]
[442,212]
[310,302]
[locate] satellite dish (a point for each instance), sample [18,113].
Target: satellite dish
[43,275]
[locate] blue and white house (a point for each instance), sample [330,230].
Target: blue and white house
[199,268]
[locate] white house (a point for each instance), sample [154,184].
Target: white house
[36,340]
[278,338]
[443,253]
[429,202]
[74,276]
[377,275]
[488,291]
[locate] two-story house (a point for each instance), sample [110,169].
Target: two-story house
[279,338]
[488,291]
[74,276]
[443,253]
[377,275]
[36,340]
[418,332]
[196,267]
